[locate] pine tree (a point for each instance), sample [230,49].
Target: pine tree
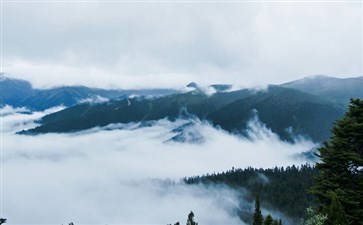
[268,220]
[336,214]
[341,167]
[2,220]
[190,220]
[257,216]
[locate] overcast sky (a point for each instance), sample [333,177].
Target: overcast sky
[169,44]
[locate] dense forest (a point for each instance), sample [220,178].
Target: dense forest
[282,189]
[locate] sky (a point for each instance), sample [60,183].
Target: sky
[169,44]
[129,175]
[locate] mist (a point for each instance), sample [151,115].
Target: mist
[129,173]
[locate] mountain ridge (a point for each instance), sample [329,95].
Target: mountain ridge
[20,93]
[297,108]
[287,112]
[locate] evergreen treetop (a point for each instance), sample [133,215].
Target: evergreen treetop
[190,220]
[268,220]
[257,216]
[339,183]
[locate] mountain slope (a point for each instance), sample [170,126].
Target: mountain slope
[84,116]
[338,90]
[285,111]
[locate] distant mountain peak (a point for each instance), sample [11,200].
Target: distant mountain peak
[193,85]
[221,87]
[309,79]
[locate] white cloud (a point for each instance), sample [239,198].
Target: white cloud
[170,44]
[16,119]
[118,175]
[94,100]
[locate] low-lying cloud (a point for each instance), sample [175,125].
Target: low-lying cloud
[128,174]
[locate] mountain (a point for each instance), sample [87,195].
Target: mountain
[139,109]
[19,93]
[287,112]
[14,91]
[337,90]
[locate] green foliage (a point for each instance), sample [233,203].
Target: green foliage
[314,218]
[268,220]
[339,184]
[285,188]
[257,216]
[336,214]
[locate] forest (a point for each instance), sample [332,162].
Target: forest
[328,193]
[282,189]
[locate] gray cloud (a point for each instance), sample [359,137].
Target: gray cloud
[170,44]
[129,175]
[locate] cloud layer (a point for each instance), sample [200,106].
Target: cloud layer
[129,175]
[169,44]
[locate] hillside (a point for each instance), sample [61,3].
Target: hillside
[338,90]
[287,112]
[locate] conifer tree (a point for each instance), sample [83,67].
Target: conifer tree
[341,168]
[257,216]
[336,214]
[2,220]
[190,220]
[268,220]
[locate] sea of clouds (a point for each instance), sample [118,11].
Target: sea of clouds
[128,173]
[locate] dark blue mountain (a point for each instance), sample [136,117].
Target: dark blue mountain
[19,93]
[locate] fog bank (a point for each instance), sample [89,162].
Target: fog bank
[129,175]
